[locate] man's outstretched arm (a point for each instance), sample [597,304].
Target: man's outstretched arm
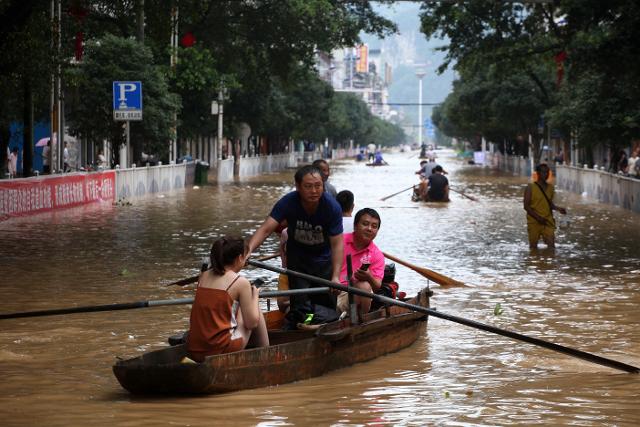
[268,226]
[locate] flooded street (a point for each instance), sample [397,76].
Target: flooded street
[56,371]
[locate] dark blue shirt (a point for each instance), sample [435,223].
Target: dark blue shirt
[309,234]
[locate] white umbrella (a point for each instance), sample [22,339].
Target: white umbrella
[42,142]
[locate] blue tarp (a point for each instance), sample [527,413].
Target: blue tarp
[40,130]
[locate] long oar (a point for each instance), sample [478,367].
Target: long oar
[472,323]
[145,304]
[194,279]
[395,194]
[463,194]
[441,279]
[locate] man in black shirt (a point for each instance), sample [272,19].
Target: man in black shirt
[438,190]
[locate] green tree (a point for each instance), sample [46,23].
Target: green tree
[26,64]
[599,93]
[600,96]
[256,47]
[116,59]
[197,81]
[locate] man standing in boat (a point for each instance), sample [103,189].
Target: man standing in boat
[314,243]
[538,202]
[324,168]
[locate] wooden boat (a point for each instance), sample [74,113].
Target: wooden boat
[377,164]
[292,355]
[415,197]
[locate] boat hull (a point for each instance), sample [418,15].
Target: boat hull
[293,356]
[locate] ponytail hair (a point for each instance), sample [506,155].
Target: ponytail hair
[224,251]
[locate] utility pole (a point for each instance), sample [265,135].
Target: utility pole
[220,121]
[420,73]
[173,148]
[56,136]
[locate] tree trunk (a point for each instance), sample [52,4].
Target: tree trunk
[140,20]
[27,120]
[5,134]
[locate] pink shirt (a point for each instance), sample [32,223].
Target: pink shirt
[371,254]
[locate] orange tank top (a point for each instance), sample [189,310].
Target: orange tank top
[212,323]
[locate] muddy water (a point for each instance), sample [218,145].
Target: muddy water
[56,371]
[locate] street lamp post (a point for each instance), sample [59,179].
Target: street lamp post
[220,119]
[420,73]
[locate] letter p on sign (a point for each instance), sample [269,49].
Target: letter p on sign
[124,88]
[127,95]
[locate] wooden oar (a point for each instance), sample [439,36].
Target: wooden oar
[472,323]
[145,304]
[194,279]
[395,194]
[463,194]
[441,279]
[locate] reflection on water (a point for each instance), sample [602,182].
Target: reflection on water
[57,370]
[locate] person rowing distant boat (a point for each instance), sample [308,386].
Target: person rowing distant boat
[435,188]
[378,160]
[426,169]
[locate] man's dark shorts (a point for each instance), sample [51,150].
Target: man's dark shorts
[306,265]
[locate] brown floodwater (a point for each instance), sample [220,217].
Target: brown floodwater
[56,371]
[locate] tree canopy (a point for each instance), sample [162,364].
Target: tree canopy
[262,51]
[574,62]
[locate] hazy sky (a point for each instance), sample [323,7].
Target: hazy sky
[406,49]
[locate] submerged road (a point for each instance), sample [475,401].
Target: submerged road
[56,371]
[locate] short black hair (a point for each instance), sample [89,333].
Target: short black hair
[367,211]
[319,162]
[540,166]
[306,170]
[345,200]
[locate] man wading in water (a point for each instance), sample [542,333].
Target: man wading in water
[538,202]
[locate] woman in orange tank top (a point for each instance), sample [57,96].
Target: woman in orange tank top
[225,315]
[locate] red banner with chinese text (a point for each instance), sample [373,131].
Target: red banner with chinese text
[19,197]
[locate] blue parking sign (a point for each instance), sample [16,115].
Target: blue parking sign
[127,100]
[429,128]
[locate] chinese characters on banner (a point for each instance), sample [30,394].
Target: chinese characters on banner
[35,195]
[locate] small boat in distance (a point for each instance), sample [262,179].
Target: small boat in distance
[292,356]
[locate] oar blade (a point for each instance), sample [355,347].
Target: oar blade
[184,282]
[395,194]
[434,276]
[194,279]
[441,279]
[463,194]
